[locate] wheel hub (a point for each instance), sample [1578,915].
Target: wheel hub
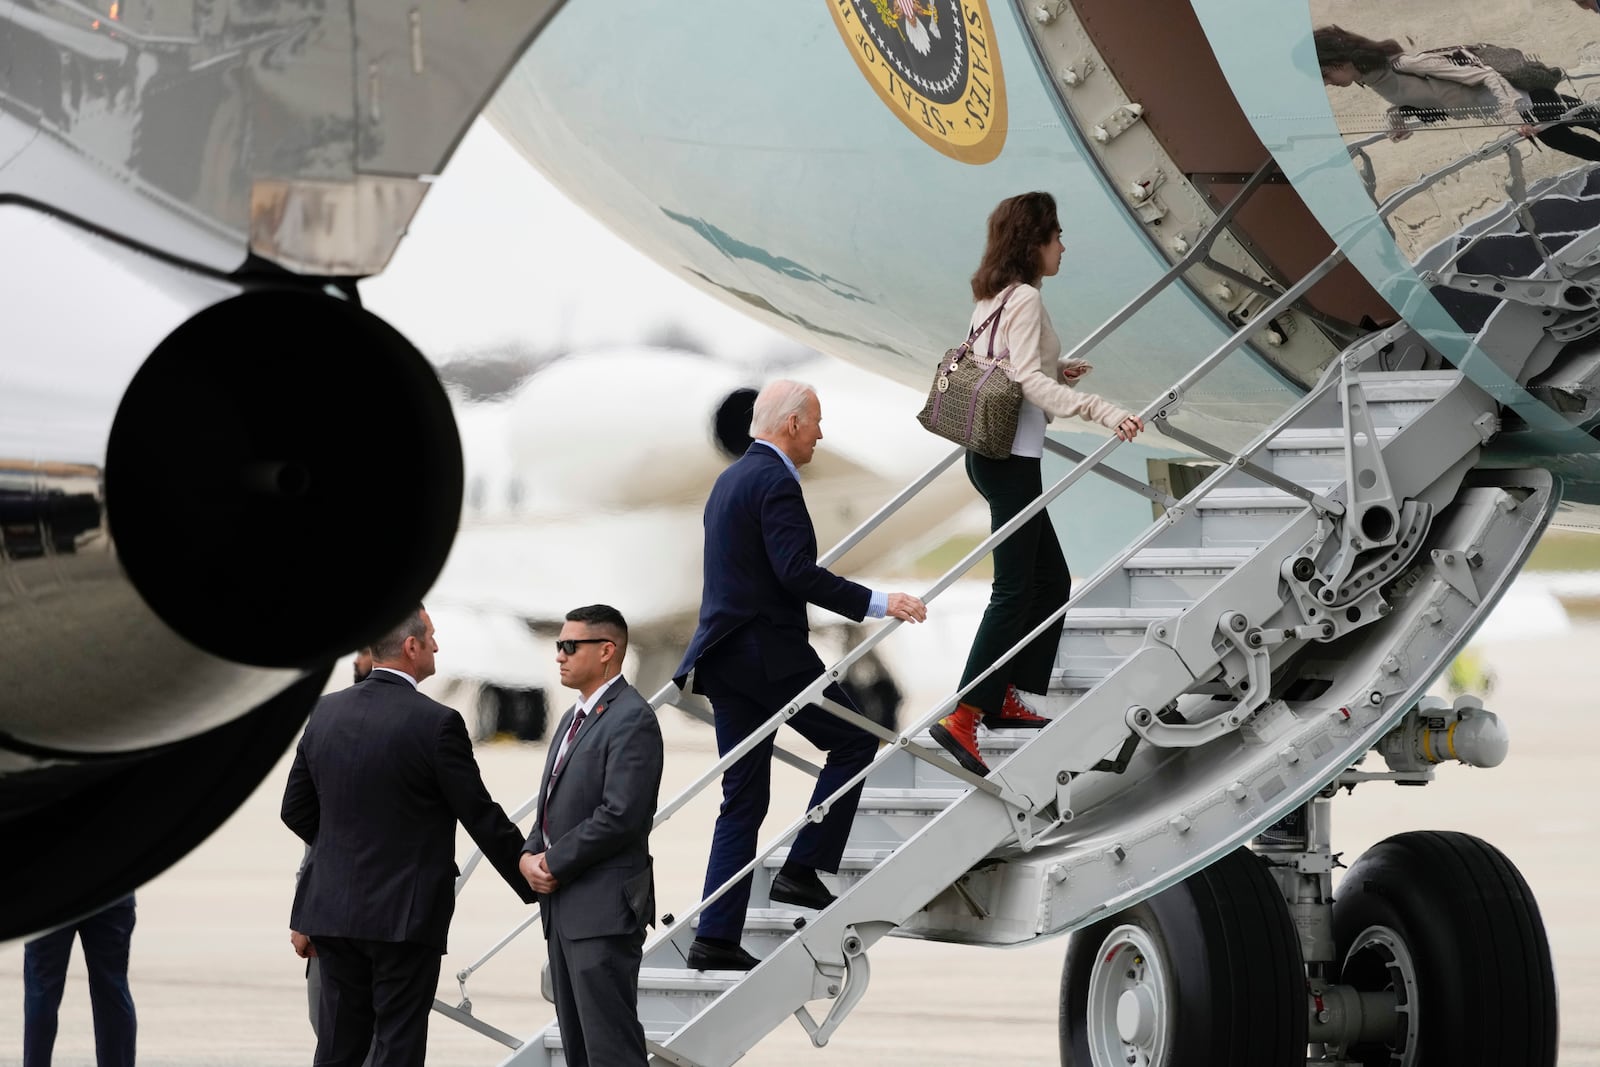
[1129,1010]
[1380,960]
[1136,1010]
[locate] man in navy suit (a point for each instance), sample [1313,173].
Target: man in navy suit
[751,655]
[380,779]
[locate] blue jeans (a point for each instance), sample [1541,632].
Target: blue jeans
[105,937]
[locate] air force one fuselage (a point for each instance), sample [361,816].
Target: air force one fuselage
[827,166]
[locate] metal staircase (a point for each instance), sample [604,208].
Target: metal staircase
[1234,659]
[1252,644]
[1204,686]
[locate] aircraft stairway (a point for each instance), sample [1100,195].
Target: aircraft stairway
[1214,681]
[1238,656]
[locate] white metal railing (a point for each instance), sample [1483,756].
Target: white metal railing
[814,693]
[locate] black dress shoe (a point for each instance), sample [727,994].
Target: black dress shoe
[803,889]
[719,956]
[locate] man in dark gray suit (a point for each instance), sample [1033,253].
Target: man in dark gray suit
[588,855]
[380,779]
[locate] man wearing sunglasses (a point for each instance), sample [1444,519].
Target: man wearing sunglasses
[751,654]
[588,856]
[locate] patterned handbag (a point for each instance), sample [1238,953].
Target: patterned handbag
[973,400]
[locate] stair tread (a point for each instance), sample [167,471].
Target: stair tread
[1264,499]
[878,799]
[988,740]
[1089,618]
[1192,558]
[1319,437]
[767,919]
[855,859]
[552,1037]
[684,980]
[1410,386]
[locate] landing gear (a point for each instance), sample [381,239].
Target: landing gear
[1449,926]
[1207,972]
[1432,954]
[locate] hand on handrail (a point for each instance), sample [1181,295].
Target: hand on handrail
[1129,428]
[906,608]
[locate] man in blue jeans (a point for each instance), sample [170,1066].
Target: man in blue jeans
[105,937]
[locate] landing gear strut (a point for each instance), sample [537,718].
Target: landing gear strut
[1432,955]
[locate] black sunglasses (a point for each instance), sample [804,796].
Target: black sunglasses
[569,645]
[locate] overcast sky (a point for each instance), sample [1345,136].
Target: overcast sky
[497,255]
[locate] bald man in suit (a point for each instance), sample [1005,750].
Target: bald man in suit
[381,778]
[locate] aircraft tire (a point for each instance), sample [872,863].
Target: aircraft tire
[1448,914]
[1206,972]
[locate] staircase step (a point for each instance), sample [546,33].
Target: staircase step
[552,1039]
[995,746]
[682,980]
[1314,453]
[1117,620]
[1426,385]
[1250,501]
[1094,643]
[1177,577]
[907,801]
[887,816]
[855,859]
[855,863]
[1245,518]
[1317,439]
[999,743]
[767,928]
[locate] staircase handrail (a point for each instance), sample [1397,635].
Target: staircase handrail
[1164,405]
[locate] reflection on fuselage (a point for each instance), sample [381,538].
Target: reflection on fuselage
[1422,121]
[1469,126]
[48,508]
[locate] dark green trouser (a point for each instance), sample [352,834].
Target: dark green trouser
[1030,581]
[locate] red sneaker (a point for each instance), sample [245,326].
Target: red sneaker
[957,734]
[1015,715]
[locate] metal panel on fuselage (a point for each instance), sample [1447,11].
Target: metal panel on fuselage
[746,148]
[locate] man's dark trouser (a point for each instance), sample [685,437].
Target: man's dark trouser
[1030,581]
[596,985]
[105,935]
[376,996]
[747,788]
[314,997]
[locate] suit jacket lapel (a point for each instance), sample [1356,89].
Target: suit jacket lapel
[550,760]
[591,723]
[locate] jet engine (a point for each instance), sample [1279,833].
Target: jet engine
[203,501]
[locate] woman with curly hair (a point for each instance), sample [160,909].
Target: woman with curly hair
[1031,579]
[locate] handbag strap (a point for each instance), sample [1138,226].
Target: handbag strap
[990,321]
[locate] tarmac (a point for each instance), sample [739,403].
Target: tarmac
[216,983]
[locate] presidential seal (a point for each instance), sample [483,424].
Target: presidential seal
[935,64]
